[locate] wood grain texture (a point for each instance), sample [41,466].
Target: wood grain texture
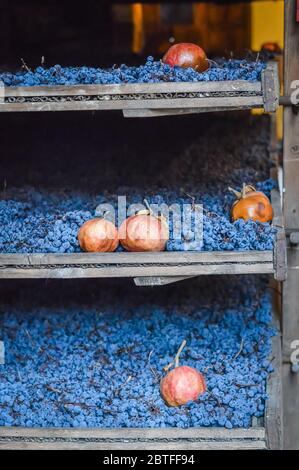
[129,439]
[273,413]
[146,113]
[280,248]
[291,212]
[159,280]
[270,87]
[130,88]
[204,257]
[97,265]
[241,102]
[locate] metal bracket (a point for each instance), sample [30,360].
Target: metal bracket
[286,101]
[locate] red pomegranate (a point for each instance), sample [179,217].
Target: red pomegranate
[182,384]
[187,55]
[144,232]
[98,235]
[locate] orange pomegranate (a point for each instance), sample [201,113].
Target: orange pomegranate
[187,55]
[98,235]
[182,384]
[144,232]
[251,204]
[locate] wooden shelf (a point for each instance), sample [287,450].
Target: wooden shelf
[151,268]
[265,433]
[147,100]
[136,265]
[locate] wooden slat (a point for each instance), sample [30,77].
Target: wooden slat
[280,248]
[159,281]
[140,258]
[139,271]
[99,265]
[130,88]
[270,87]
[273,413]
[178,445]
[291,211]
[145,113]
[109,105]
[129,439]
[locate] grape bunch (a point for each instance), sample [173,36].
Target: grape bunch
[97,363]
[152,71]
[45,222]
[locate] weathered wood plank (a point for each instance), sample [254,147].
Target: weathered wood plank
[142,445]
[130,88]
[138,271]
[273,412]
[158,281]
[107,105]
[92,265]
[291,211]
[146,113]
[280,249]
[134,433]
[278,219]
[270,87]
[140,258]
[163,438]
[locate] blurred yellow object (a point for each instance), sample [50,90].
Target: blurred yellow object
[266,23]
[267,26]
[138,30]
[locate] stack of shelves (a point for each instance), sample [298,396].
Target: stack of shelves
[149,100]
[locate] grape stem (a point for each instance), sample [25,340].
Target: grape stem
[148,206]
[245,189]
[177,357]
[25,66]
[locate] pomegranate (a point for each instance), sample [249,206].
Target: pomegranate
[251,204]
[187,55]
[98,235]
[271,47]
[144,232]
[182,384]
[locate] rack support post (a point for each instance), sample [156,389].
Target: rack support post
[290,301]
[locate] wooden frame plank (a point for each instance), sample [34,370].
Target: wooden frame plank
[144,265]
[129,439]
[167,257]
[145,113]
[131,88]
[123,272]
[280,249]
[242,102]
[273,414]
[291,212]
